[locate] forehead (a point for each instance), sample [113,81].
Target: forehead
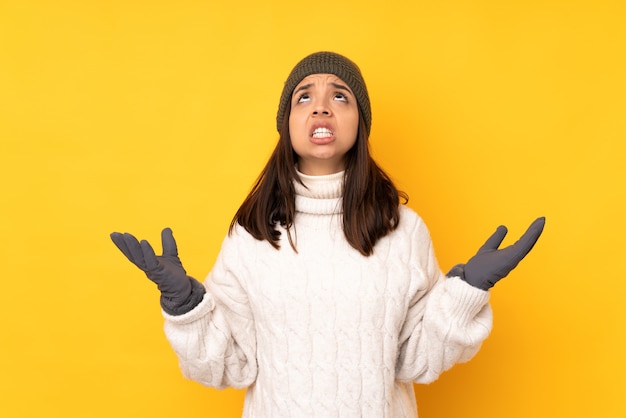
[321,80]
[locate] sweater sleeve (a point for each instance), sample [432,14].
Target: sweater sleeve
[216,341]
[447,319]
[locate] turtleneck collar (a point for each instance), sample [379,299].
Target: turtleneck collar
[320,195]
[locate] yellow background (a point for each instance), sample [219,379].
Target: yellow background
[129,115]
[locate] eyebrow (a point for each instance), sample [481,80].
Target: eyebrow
[340,87]
[302,87]
[335,85]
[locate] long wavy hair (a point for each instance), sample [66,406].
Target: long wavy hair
[370,199]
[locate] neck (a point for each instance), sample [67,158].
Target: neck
[320,168]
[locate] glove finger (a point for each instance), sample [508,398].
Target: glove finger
[149,256]
[118,240]
[494,240]
[129,246]
[135,250]
[169,243]
[529,239]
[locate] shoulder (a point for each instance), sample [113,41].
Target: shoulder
[413,228]
[410,242]
[236,241]
[409,219]
[239,241]
[236,256]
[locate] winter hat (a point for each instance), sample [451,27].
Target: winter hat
[326,63]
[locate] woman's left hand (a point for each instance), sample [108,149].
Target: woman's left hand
[491,264]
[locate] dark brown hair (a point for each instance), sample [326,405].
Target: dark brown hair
[370,199]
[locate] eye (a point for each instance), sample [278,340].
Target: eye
[304,97]
[340,97]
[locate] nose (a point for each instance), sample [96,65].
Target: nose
[321,109]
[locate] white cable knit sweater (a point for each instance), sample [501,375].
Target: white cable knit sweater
[326,332]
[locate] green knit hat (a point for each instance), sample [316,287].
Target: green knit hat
[326,63]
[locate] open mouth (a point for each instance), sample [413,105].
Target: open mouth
[322,133]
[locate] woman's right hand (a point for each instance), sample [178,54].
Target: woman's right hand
[165,270]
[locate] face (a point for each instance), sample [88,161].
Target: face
[323,123]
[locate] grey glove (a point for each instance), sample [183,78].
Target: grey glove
[490,264]
[179,292]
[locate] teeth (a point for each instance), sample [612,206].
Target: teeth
[322,133]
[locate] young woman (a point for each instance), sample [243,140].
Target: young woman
[326,298]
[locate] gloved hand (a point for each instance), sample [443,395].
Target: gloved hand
[179,292]
[490,264]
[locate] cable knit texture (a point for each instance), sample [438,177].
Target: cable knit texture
[326,332]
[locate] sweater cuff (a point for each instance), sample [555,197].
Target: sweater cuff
[466,300]
[205,306]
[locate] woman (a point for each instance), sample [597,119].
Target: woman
[326,298]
